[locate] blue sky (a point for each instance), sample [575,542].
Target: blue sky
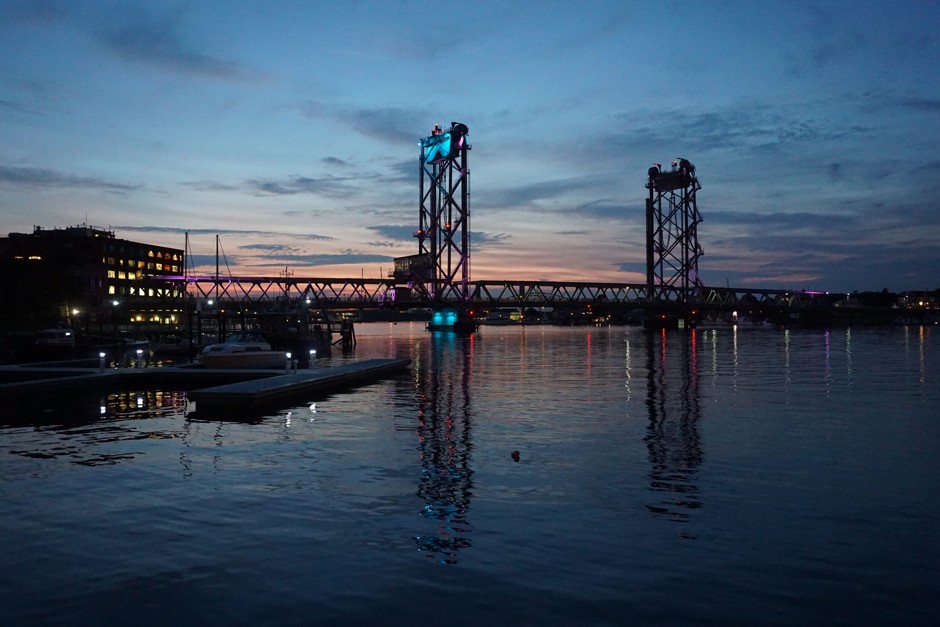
[291,129]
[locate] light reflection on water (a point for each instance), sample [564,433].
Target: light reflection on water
[553,476]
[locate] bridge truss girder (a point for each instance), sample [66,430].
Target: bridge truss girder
[261,293]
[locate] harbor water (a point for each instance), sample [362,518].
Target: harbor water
[520,476]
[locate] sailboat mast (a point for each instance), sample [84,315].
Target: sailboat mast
[217,268]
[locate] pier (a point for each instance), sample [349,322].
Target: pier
[217,392]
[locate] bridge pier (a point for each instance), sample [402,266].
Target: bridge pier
[671,316]
[459,319]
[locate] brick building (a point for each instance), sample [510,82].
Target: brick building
[86,278]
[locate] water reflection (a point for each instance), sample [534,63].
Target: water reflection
[442,391]
[95,431]
[79,409]
[672,440]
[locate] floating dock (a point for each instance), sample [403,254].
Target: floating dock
[255,393]
[215,391]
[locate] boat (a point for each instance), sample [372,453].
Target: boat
[242,350]
[55,337]
[176,345]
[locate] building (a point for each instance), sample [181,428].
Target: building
[86,278]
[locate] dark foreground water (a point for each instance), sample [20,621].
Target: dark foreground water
[714,477]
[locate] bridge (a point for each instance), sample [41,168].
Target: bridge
[438,276]
[255,293]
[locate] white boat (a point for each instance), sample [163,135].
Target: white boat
[55,337]
[242,350]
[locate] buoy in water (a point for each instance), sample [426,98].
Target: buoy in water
[515,456]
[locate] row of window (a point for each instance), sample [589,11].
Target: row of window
[149,265]
[169,256]
[142,292]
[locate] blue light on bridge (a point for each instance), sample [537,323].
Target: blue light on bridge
[444,319]
[436,147]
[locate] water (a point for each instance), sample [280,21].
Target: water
[716,477]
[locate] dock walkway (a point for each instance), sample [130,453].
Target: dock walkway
[213,390]
[254,392]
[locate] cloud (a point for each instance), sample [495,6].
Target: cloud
[927,105]
[280,254]
[398,232]
[14,176]
[210,186]
[390,125]
[404,233]
[530,195]
[332,187]
[233,232]
[157,42]
[335,161]
[33,11]
[324,259]
[14,106]
[479,239]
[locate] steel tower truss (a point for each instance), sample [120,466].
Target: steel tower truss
[444,221]
[672,248]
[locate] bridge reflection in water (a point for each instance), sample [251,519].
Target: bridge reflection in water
[672,440]
[444,425]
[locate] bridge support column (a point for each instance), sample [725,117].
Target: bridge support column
[673,285]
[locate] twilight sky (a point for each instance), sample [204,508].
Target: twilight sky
[291,129]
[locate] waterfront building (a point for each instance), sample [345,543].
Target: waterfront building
[86,278]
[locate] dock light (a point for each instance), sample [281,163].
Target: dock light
[286,363]
[101,357]
[313,357]
[210,302]
[114,303]
[140,358]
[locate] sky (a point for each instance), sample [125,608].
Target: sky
[290,129]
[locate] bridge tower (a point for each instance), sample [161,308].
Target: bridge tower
[444,223]
[672,248]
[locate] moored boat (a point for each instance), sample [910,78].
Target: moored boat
[242,350]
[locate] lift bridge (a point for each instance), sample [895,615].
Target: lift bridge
[438,277]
